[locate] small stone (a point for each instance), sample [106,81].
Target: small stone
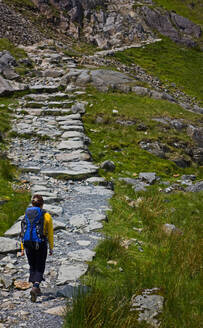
[58,310]
[108,166]
[112,262]
[23,285]
[171,228]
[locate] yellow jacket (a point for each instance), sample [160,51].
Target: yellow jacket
[48,230]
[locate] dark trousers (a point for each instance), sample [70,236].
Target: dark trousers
[37,261]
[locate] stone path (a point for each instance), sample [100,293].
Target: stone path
[50,144]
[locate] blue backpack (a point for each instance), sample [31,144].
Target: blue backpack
[32,227]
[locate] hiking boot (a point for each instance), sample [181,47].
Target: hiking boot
[35,291]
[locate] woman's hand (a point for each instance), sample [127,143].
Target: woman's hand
[22,252]
[51,252]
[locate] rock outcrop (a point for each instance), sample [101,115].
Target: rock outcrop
[117,22]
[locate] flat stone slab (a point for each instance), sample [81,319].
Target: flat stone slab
[83,242]
[74,169]
[76,155]
[58,310]
[14,230]
[58,225]
[53,210]
[72,134]
[34,169]
[78,221]
[70,145]
[81,255]
[71,272]
[93,225]
[8,245]
[72,126]
[69,117]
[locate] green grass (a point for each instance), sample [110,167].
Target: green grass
[18,53]
[171,263]
[121,143]
[193,10]
[170,63]
[15,202]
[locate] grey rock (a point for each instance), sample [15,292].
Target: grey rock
[54,210]
[52,73]
[195,187]
[78,221]
[70,272]
[70,145]
[71,291]
[5,87]
[171,229]
[176,27]
[188,177]
[140,91]
[148,307]
[78,108]
[137,184]
[14,230]
[104,79]
[108,165]
[8,245]
[196,134]
[149,177]
[81,255]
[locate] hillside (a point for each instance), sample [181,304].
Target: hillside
[101,114]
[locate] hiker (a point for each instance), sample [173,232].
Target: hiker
[36,233]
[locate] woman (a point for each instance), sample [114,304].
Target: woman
[36,233]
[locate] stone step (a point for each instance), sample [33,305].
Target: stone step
[40,88]
[75,170]
[50,104]
[47,96]
[77,155]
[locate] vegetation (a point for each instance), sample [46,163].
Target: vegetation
[21,3]
[120,143]
[171,63]
[12,203]
[16,52]
[141,255]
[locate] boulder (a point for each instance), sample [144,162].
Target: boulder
[8,245]
[176,27]
[108,166]
[5,87]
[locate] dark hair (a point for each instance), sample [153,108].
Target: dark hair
[37,200]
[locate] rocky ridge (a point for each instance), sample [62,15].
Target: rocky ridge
[118,22]
[106,24]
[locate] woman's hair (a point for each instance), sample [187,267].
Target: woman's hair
[37,200]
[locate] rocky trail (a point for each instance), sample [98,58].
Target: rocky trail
[50,143]
[50,147]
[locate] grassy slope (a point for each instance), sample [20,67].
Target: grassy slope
[193,10]
[170,63]
[170,263]
[15,201]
